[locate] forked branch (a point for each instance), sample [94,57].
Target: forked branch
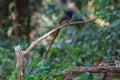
[34,43]
[20,53]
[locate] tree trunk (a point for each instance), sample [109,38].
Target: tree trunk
[22,21]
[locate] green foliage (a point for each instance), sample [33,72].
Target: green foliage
[12,77]
[115,23]
[84,77]
[81,45]
[108,11]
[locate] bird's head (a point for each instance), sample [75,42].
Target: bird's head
[69,14]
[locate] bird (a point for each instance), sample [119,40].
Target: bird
[67,16]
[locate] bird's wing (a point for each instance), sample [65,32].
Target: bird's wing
[63,19]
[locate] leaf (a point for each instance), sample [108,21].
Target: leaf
[40,63]
[84,77]
[87,63]
[68,41]
[115,23]
[12,77]
[118,50]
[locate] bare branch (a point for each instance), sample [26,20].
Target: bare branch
[34,43]
[96,69]
[19,58]
[20,54]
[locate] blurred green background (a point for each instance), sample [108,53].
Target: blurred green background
[23,21]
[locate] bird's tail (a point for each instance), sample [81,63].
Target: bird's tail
[56,33]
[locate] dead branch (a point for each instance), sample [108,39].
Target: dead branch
[96,69]
[34,43]
[20,54]
[19,58]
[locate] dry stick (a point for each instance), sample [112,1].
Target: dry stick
[96,69]
[20,54]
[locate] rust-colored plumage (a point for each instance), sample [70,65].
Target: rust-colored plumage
[65,18]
